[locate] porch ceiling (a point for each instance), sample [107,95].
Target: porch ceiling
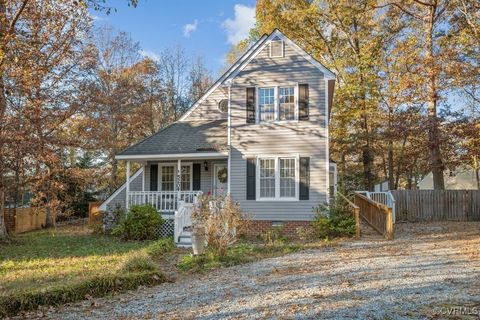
[188,140]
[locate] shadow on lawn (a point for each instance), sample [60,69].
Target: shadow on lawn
[68,241]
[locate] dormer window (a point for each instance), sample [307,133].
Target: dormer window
[276,48]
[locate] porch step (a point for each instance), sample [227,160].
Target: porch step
[185,239]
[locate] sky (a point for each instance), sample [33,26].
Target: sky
[201,27]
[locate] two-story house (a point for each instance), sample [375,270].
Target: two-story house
[259,133]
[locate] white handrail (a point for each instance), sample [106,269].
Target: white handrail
[178,217]
[384,197]
[183,216]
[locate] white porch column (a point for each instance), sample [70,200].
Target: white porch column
[127,189]
[229,138]
[179,178]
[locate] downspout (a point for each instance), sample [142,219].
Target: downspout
[127,187]
[327,151]
[229,141]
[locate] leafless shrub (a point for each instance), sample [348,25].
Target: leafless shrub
[223,220]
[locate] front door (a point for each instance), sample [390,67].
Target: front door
[220,179]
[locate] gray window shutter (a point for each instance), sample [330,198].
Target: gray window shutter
[251,173]
[154,177]
[250,105]
[303,107]
[196,176]
[304,193]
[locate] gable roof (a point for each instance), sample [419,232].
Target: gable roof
[182,138]
[250,54]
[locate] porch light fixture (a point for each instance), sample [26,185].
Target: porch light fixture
[205,165]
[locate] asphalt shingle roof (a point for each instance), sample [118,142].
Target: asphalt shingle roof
[184,137]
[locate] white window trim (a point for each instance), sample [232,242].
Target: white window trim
[276,102]
[175,175]
[277,177]
[283,48]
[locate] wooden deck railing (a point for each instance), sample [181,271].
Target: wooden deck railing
[377,215]
[355,210]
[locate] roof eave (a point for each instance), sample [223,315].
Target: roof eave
[174,156]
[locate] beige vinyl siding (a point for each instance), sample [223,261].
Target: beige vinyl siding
[208,110]
[303,138]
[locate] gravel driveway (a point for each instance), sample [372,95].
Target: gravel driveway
[429,267]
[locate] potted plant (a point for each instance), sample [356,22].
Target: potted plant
[200,212]
[198,239]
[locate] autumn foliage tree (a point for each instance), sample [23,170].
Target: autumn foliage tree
[398,63]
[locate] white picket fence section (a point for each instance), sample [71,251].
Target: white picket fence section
[385,197]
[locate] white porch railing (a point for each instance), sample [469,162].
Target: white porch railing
[163,201]
[183,219]
[385,197]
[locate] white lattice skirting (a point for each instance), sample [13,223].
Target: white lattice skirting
[166,229]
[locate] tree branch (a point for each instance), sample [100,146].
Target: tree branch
[16,17]
[399,7]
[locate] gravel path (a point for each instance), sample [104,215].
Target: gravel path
[429,267]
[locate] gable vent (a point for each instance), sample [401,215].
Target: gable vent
[276,48]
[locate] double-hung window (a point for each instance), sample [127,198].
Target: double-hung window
[287,178]
[186,177]
[286,107]
[277,104]
[168,177]
[266,104]
[267,178]
[277,178]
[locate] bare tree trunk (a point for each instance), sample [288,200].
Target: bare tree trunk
[476,168]
[391,181]
[436,163]
[400,162]
[367,157]
[114,176]
[3,229]
[343,169]
[3,108]
[367,167]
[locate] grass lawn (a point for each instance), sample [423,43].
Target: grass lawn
[52,267]
[243,252]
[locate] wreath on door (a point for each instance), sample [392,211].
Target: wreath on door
[222,175]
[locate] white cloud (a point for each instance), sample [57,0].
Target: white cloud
[237,28]
[96,18]
[149,54]
[189,28]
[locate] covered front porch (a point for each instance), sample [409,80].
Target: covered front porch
[165,183]
[172,186]
[176,164]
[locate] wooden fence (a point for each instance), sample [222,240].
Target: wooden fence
[25,219]
[437,205]
[354,210]
[377,215]
[94,214]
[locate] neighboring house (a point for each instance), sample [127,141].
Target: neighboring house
[259,133]
[462,178]
[382,186]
